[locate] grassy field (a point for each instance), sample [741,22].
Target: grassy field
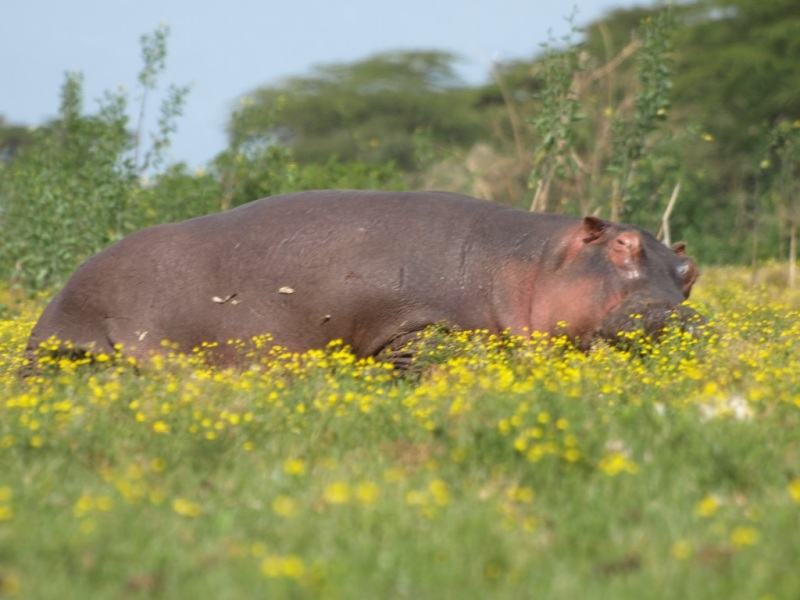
[516,470]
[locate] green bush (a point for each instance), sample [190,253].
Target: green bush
[84,181]
[68,193]
[64,196]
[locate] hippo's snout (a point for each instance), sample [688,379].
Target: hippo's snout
[649,317]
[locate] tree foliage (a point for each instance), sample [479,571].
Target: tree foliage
[700,110]
[738,78]
[63,194]
[739,60]
[365,111]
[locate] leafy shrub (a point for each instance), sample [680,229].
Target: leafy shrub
[68,192]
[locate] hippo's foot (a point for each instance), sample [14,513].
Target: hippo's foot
[401,359]
[402,351]
[415,351]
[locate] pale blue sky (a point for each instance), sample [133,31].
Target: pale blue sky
[227,48]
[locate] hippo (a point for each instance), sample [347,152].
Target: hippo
[369,268]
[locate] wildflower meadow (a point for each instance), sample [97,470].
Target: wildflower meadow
[496,468]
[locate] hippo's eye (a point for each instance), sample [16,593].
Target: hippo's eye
[687,274]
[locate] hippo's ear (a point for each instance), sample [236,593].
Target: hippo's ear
[626,249]
[679,248]
[593,228]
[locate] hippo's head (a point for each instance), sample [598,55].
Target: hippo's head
[645,282]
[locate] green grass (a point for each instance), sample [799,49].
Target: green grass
[521,470]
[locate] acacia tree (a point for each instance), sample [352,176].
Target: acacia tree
[369,111]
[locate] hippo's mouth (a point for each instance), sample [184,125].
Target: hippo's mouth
[639,317]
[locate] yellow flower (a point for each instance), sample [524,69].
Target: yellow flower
[337,493]
[744,536]
[522,494]
[707,506]
[186,508]
[367,492]
[84,505]
[615,463]
[416,498]
[438,490]
[682,549]
[103,503]
[271,566]
[291,566]
[794,490]
[284,506]
[530,524]
[294,466]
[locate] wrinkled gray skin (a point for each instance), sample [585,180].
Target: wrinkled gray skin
[369,268]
